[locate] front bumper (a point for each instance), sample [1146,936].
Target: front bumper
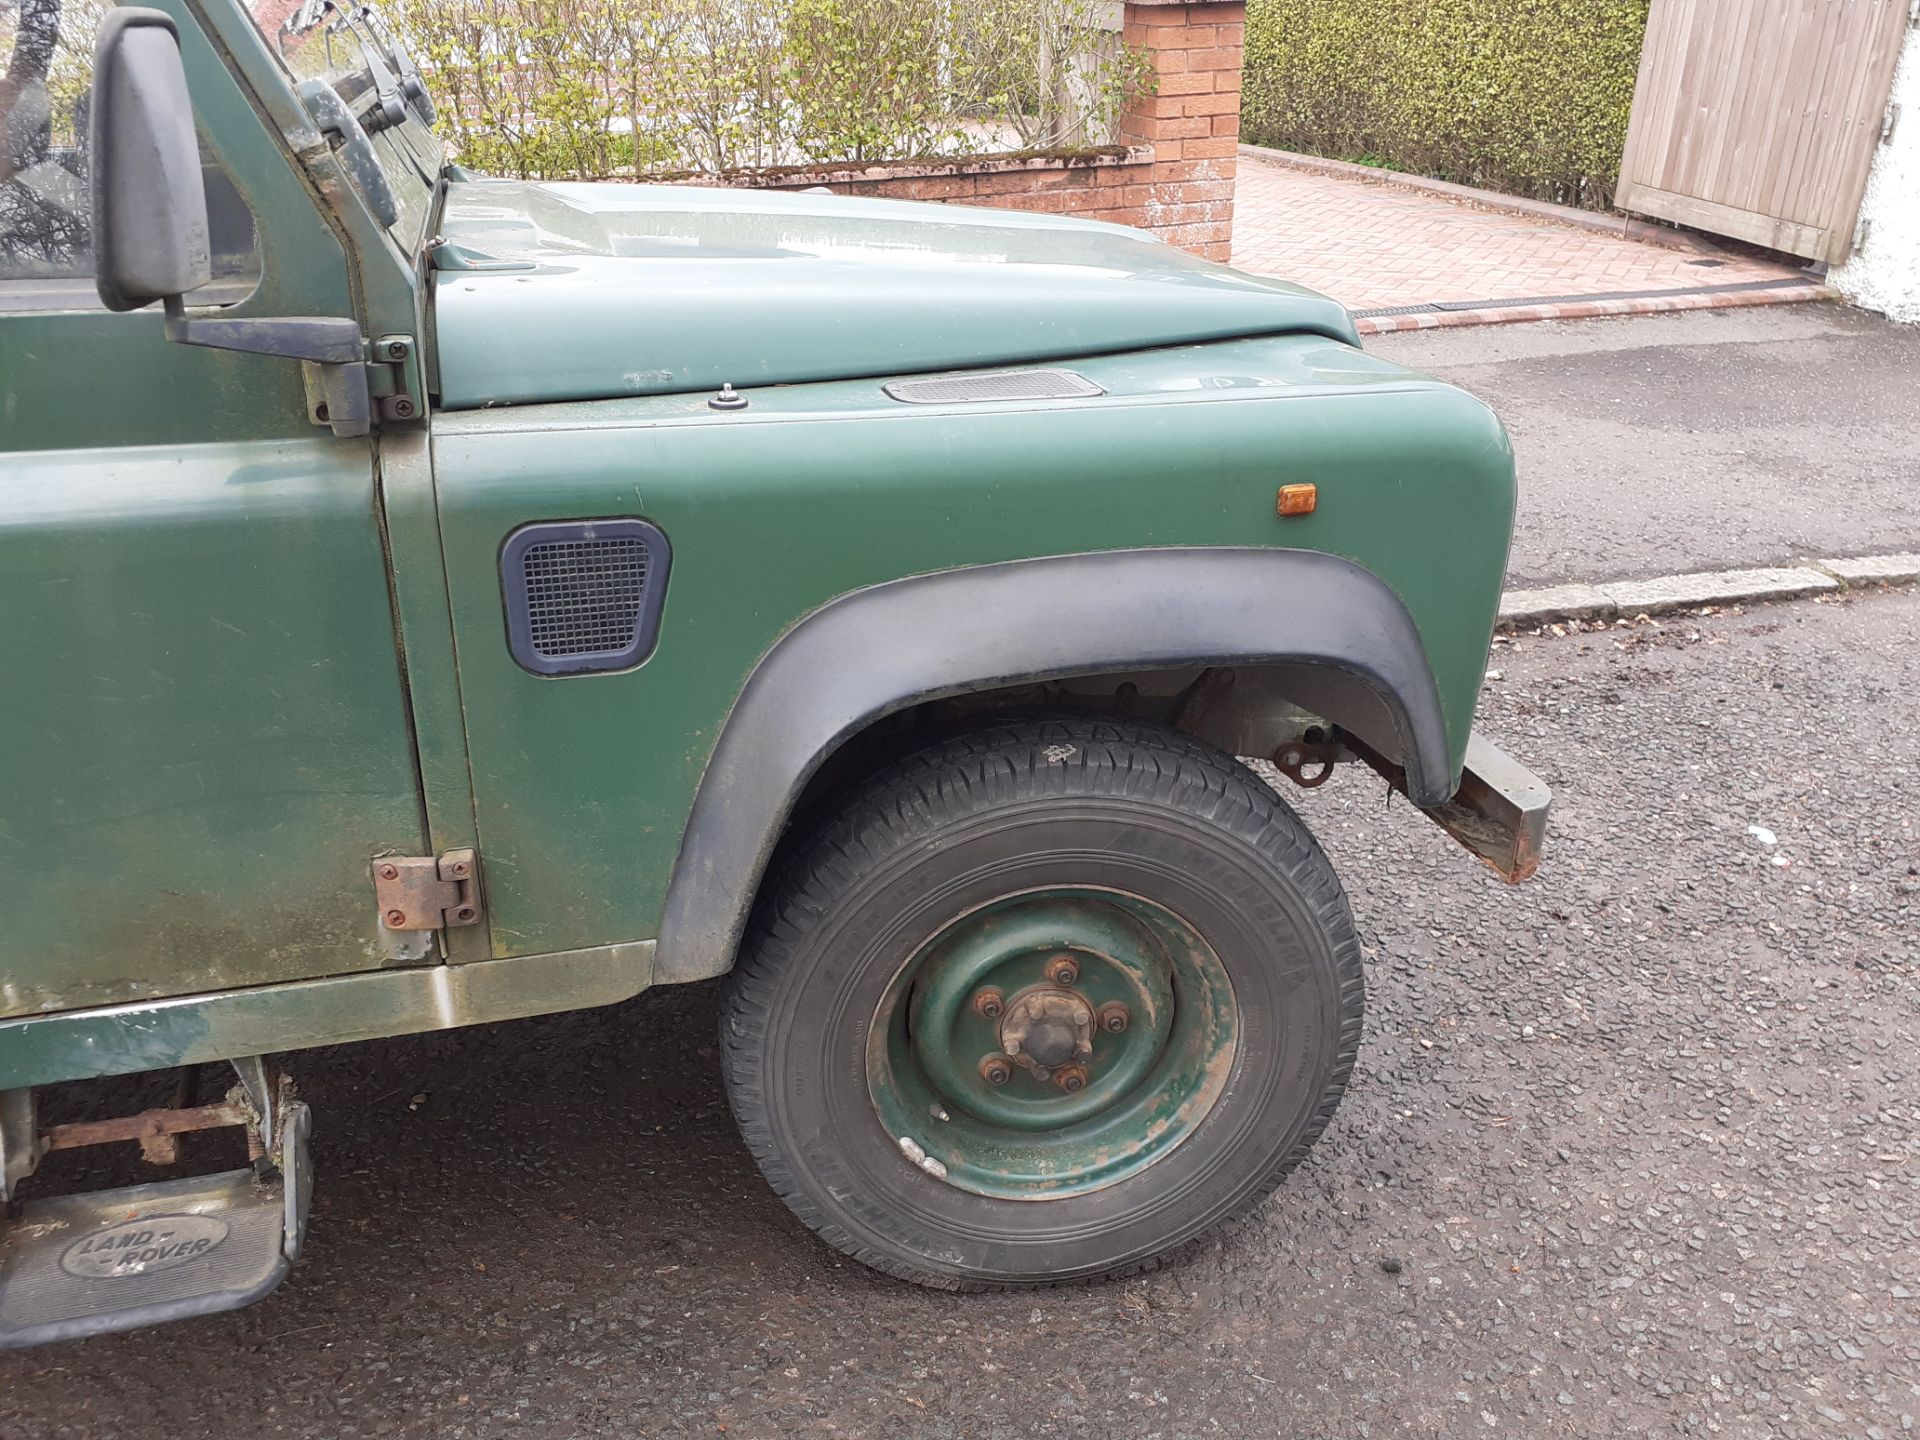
[1499,812]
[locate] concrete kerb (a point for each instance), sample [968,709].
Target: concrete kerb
[1628,598]
[1873,569]
[1655,303]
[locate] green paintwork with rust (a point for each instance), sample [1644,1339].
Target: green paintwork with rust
[205,733]
[824,484]
[261,655]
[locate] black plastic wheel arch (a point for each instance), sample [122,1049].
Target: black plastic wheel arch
[876,651]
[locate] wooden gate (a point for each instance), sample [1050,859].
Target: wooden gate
[1758,119]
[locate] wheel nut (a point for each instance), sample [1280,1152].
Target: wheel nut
[988,1003]
[996,1070]
[1063,970]
[1114,1017]
[1071,1078]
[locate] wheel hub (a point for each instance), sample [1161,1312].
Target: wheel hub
[1045,1027]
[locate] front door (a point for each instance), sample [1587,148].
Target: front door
[203,729]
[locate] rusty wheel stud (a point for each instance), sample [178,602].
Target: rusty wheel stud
[1063,970]
[1114,1017]
[988,1003]
[996,1070]
[1071,1078]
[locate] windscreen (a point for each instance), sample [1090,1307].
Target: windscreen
[353,49]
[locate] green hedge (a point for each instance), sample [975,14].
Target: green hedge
[589,88]
[1526,96]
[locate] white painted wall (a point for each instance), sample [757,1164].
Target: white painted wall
[1884,274]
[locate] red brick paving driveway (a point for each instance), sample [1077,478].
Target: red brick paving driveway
[1376,246]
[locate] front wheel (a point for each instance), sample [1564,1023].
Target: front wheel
[1040,1003]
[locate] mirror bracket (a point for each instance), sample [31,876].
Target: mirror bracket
[332,349]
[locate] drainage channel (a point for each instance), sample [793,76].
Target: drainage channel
[1445,307]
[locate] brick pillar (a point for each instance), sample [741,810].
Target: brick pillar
[1192,121]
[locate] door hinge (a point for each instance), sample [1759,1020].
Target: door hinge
[393,378]
[348,396]
[418,892]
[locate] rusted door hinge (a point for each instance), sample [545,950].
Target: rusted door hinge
[418,892]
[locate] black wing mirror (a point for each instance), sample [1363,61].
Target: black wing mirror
[150,232]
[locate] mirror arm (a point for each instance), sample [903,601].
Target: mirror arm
[322,340]
[334,345]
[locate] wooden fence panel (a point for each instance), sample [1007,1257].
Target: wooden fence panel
[1758,119]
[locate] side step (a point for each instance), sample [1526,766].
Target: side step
[77,1265]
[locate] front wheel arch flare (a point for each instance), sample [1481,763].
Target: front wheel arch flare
[874,652]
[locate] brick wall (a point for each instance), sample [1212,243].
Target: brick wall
[1173,175]
[1192,121]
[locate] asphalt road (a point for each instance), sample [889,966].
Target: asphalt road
[1634,1148]
[1697,441]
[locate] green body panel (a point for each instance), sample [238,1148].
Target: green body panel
[213,738]
[419,580]
[205,735]
[619,290]
[582,785]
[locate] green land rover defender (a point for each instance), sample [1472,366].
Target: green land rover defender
[430,600]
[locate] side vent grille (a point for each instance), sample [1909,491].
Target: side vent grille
[583,595]
[1007,385]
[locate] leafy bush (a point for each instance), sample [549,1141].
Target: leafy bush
[1526,96]
[597,87]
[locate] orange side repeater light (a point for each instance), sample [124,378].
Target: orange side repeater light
[1297,500]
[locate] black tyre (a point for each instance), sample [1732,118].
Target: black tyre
[1040,1003]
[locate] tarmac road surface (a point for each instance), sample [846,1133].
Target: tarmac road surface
[1634,1148]
[1703,440]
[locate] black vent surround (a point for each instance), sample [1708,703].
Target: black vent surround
[583,595]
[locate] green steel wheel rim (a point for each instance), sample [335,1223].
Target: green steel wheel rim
[1083,1102]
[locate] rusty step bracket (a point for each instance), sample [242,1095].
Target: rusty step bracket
[253,1105]
[156,1130]
[418,892]
[106,1260]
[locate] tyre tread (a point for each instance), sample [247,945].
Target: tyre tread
[960,776]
